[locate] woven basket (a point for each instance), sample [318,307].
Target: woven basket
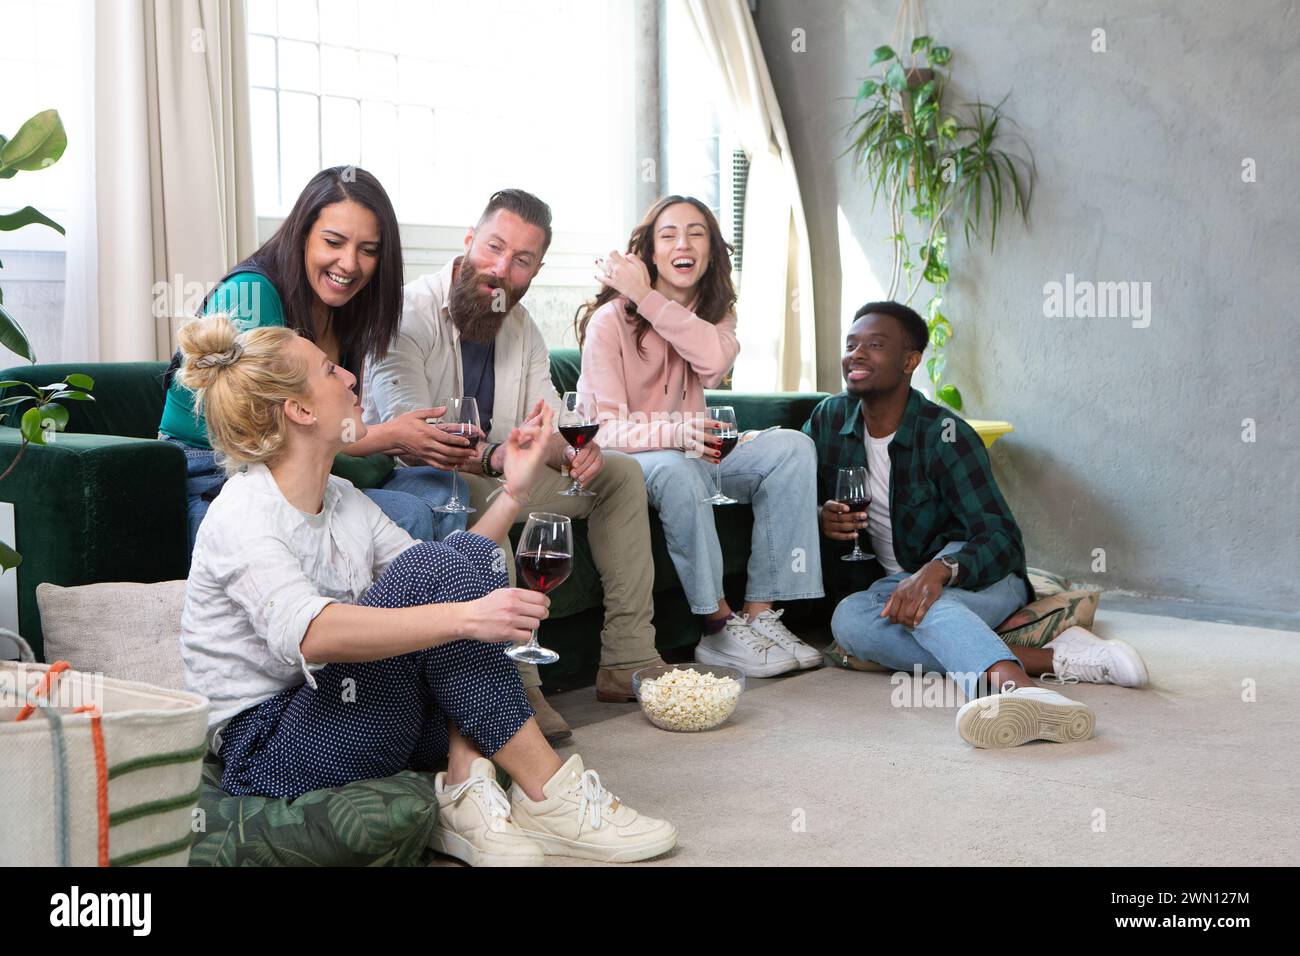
[96,771]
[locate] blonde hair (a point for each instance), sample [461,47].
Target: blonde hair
[240,383]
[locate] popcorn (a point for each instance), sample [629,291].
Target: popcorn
[688,700]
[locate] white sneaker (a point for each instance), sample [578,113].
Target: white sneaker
[768,624]
[580,818]
[474,823]
[739,645]
[1080,655]
[1022,715]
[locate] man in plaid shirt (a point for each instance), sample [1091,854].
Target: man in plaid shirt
[952,553]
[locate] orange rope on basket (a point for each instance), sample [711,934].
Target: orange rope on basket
[101,778]
[43,689]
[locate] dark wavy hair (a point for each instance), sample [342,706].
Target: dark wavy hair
[367,325]
[717,291]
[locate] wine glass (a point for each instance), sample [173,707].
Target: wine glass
[725,415]
[544,558]
[851,489]
[461,418]
[577,423]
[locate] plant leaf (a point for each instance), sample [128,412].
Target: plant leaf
[30,426]
[14,338]
[75,396]
[895,78]
[81,380]
[27,216]
[881,54]
[939,55]
[950,396]
[9,558]
[37,144]
[868,88]
[934,367]
[920,43]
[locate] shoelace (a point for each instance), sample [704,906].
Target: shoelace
[594,799]
[751,638]
[1089,665]
[493,797]
[766,624]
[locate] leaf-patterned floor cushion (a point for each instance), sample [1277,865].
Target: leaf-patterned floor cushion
[384,822]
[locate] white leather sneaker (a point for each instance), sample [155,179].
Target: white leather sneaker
[741,646]
[768,623]
[1080,655]
[474,823]
[580,818]
[1022,715]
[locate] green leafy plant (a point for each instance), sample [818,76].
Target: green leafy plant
[934,168]
[38,144]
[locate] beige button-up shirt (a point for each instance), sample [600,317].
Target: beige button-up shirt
[423,366]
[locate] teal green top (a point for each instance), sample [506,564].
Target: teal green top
[251,301]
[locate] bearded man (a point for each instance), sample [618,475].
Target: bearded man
[465,333]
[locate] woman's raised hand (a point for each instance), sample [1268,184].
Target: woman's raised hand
[526,450]
[627,275]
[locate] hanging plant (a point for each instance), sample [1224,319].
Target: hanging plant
[934,168]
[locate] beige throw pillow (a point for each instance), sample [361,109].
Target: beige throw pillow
[123,630]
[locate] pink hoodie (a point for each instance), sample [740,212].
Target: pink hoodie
[642,398]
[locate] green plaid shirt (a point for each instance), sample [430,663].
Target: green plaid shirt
[941,487]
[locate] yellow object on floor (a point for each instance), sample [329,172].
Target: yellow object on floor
[989,431]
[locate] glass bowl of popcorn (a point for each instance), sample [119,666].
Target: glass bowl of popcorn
[688,697]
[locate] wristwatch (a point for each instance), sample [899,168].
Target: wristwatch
[949,562]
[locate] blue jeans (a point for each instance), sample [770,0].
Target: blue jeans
[955,637]
[775,472]
[405,498]
[409,493]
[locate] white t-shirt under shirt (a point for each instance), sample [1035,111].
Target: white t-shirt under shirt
[879,528]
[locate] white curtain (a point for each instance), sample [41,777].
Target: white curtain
[171,202]
[776,327]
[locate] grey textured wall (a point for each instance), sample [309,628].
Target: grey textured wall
[1127,439]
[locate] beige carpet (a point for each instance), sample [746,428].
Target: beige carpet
[818,768]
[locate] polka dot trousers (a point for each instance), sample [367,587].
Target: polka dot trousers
[373,719]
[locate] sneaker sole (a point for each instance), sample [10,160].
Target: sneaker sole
[560,846]
[704,656]
[1018,721]
[455,845]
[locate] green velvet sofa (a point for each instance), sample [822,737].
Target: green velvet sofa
[105,501]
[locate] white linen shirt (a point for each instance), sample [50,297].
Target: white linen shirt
[261,572]
[423,365]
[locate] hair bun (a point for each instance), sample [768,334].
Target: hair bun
[208,344]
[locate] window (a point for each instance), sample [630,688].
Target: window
[444,103]
[701,155]
[40,67]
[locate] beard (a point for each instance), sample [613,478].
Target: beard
[478,316]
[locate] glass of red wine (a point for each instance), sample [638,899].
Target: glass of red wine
[577,423]
[851,489]
[461,418]
[725,438]
[544,558]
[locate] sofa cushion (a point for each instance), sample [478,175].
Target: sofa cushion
[384,822]
[123,630]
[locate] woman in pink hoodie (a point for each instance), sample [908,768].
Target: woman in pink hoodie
[661,330]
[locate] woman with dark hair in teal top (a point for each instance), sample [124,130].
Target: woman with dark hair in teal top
[333,273]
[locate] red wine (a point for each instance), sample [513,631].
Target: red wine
[545,570]
[855,504]
[463,430]
[728,443]
[579,435]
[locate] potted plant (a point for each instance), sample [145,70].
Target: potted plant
[38,143]
[935,168]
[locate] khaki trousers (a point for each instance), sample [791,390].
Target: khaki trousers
[618,530]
